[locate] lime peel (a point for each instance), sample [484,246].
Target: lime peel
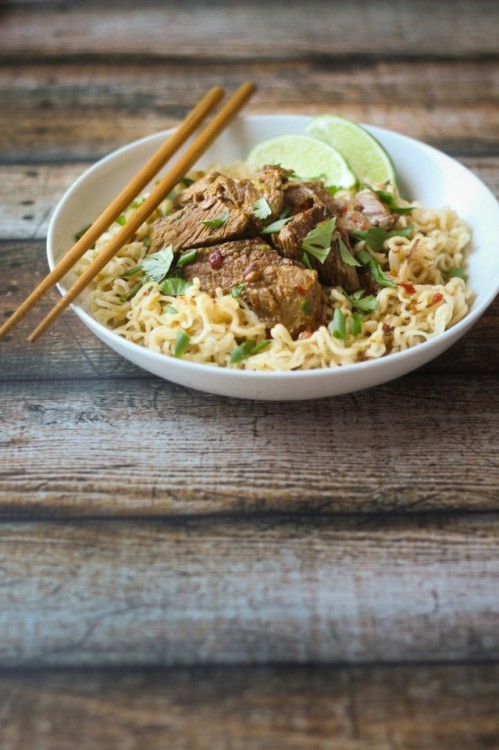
[307,156]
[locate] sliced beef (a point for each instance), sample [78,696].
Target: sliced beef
[277,289]
[185,228]
[375,210]
[334,271]
[241,194]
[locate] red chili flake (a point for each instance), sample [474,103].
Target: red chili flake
[437,298]
[300,289]
[409,288]
[387,328]
[215,259]
[304,335]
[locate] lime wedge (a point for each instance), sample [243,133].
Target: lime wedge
[365,155]
[308,157]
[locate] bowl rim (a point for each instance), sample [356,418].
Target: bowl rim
[441,342]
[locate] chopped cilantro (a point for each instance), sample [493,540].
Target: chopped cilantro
[133,291]
[306,307]
[355,324]
[369,303]
[389,200]
[181,343]
[237,290]
[374,268]
[339,328]
[456,272]
[156,266]
[186,258]
[306,261]
[318,241]
[247,349]
[170,309]
[346,255]
[121,220]
[276,226]
[80,234]
[373,238]
[174,286]
[404,232]
[215,223]
[261,209]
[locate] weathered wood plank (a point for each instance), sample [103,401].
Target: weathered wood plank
[308,708]
[248,30]
[148,447]
[84,110]
[30,193]
[258,591]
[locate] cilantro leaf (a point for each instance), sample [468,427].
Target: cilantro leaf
[174,286]
[306,261]
[237,290]
[346,255]
[186,258]
[318,241]
[369,303]
[181,343]
[170,309]
[247,349]
[374,268]
[389,200]
[355,324]
[261,209]
[156,266]
[215,223]
[306,307]
[82,231]
[339,328]
[130,294]
[121,220]
[373,238]
[404,232]
[276,226]
[456,272]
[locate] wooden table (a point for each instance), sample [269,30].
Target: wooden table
[180,570]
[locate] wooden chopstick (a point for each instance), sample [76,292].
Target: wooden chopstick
[166,184]
[119,204]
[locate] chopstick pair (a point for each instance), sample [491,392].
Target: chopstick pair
[123,200]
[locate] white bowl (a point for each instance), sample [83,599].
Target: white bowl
[426,175]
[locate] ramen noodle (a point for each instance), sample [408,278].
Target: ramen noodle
[426,300]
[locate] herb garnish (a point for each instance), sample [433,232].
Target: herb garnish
[373,238]
[276,226]
[131,293]
[247,349]
[80,234]
[346,255]
[186,258]
[170,309]
[318,241]
[174,286]
[374,268]
[306,261]
[181,343]
[156,266]
[306,307]
[237,290]
[261,209]
[456,272]
[121,220]
[355,323]
[369,303]
[339,328]
[389,200]
[215,223]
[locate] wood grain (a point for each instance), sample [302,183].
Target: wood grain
[147,447]
[81,111]
[313,708]
[242,30]
[267,590]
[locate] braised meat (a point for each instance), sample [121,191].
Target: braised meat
[241,194]
[277,289]
[334,271]
[187,227]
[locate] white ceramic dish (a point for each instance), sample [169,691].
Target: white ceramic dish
[426,175]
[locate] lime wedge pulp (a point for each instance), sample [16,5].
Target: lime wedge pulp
[308,157]
[365,155]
